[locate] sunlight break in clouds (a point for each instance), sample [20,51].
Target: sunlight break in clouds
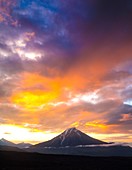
[18,134]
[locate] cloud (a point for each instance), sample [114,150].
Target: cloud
[9,113]
[6,7]
[7,133]
[66,63]
[116,115]
[120,118]
[11,65]
[63,34]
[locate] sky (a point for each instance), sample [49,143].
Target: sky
[65,64]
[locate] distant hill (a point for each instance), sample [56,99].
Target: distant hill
[23,145]
[4,142]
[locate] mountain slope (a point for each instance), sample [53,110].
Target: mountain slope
[70,137]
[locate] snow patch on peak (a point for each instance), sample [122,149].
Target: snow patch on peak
[71,129]
[67,132]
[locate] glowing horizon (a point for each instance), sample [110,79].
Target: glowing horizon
[18,134]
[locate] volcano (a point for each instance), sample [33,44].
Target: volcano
[70,137]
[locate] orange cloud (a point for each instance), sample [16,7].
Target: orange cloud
[96,125]
[33,100]
[35,91]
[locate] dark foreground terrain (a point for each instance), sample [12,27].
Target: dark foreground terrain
[33,161]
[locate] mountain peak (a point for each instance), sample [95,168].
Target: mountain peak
[70,137]
[6,142]
[3,140]
[70,130]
